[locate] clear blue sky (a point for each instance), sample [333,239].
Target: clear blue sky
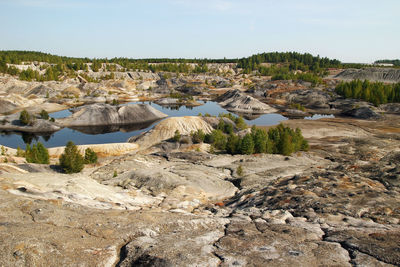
[351,30]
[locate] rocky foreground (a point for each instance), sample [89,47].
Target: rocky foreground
[336,205]
[154,202]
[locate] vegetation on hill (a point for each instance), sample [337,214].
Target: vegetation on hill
[395,62]
[373,92]
[296,61]
[279,140]
[57,67]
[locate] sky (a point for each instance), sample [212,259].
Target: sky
[349,30]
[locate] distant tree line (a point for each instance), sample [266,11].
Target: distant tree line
[373,92]
[395,62]
[296,61]
[287,64]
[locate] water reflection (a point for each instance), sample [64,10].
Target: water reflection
[94,130]
[114,134]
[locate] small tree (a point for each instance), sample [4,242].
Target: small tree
[90,156]
[247,145]
[71,161]
[177,136]
[44,115]
[25,117]
[198,136]
[37,154]
[218,139]
[239,170]
[20,152]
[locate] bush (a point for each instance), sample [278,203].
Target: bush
[177,136]
[25,117]
[217,138]
[71,161]
[198,136]
[44,115]
[239,170]
[20,152]
[90,156]
[247,145]
[37,154]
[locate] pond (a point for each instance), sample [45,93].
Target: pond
[96,135]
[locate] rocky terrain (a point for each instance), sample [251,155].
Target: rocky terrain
[238,102]
[372,74]
[156,202]
[104,115]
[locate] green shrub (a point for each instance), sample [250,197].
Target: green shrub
[177,136]
[20,152]
[25,117]
[37,154]
[247,145]
[198,136]
[217,138]
[3,151]
[71,161]
[44,115]
[239,170]
[90,156]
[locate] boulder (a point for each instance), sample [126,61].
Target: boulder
[104,114]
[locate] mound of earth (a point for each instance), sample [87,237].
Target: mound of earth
[372,74]
[310,98]
[238,102]
[362,113]
[38,126]
[166,130]
[104,114]
[391,108]
[6,106]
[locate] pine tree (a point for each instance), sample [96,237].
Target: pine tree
[71,161]
[247,145]
[90,156]
[37,154]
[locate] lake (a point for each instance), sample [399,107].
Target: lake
[101,135]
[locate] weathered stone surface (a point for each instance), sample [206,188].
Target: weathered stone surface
[372,74]
[362,113]
[103,114]
[237,101]
[166,130]
[38,126]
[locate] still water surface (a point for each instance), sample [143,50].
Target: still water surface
[84,136]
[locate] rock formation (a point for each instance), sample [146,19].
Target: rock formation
[372,74]
[104,114]
[236,101]
[166,130]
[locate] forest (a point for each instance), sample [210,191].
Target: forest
[395,62]
[374,92]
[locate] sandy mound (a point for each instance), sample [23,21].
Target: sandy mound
[166,130]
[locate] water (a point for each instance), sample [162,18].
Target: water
[100,135]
